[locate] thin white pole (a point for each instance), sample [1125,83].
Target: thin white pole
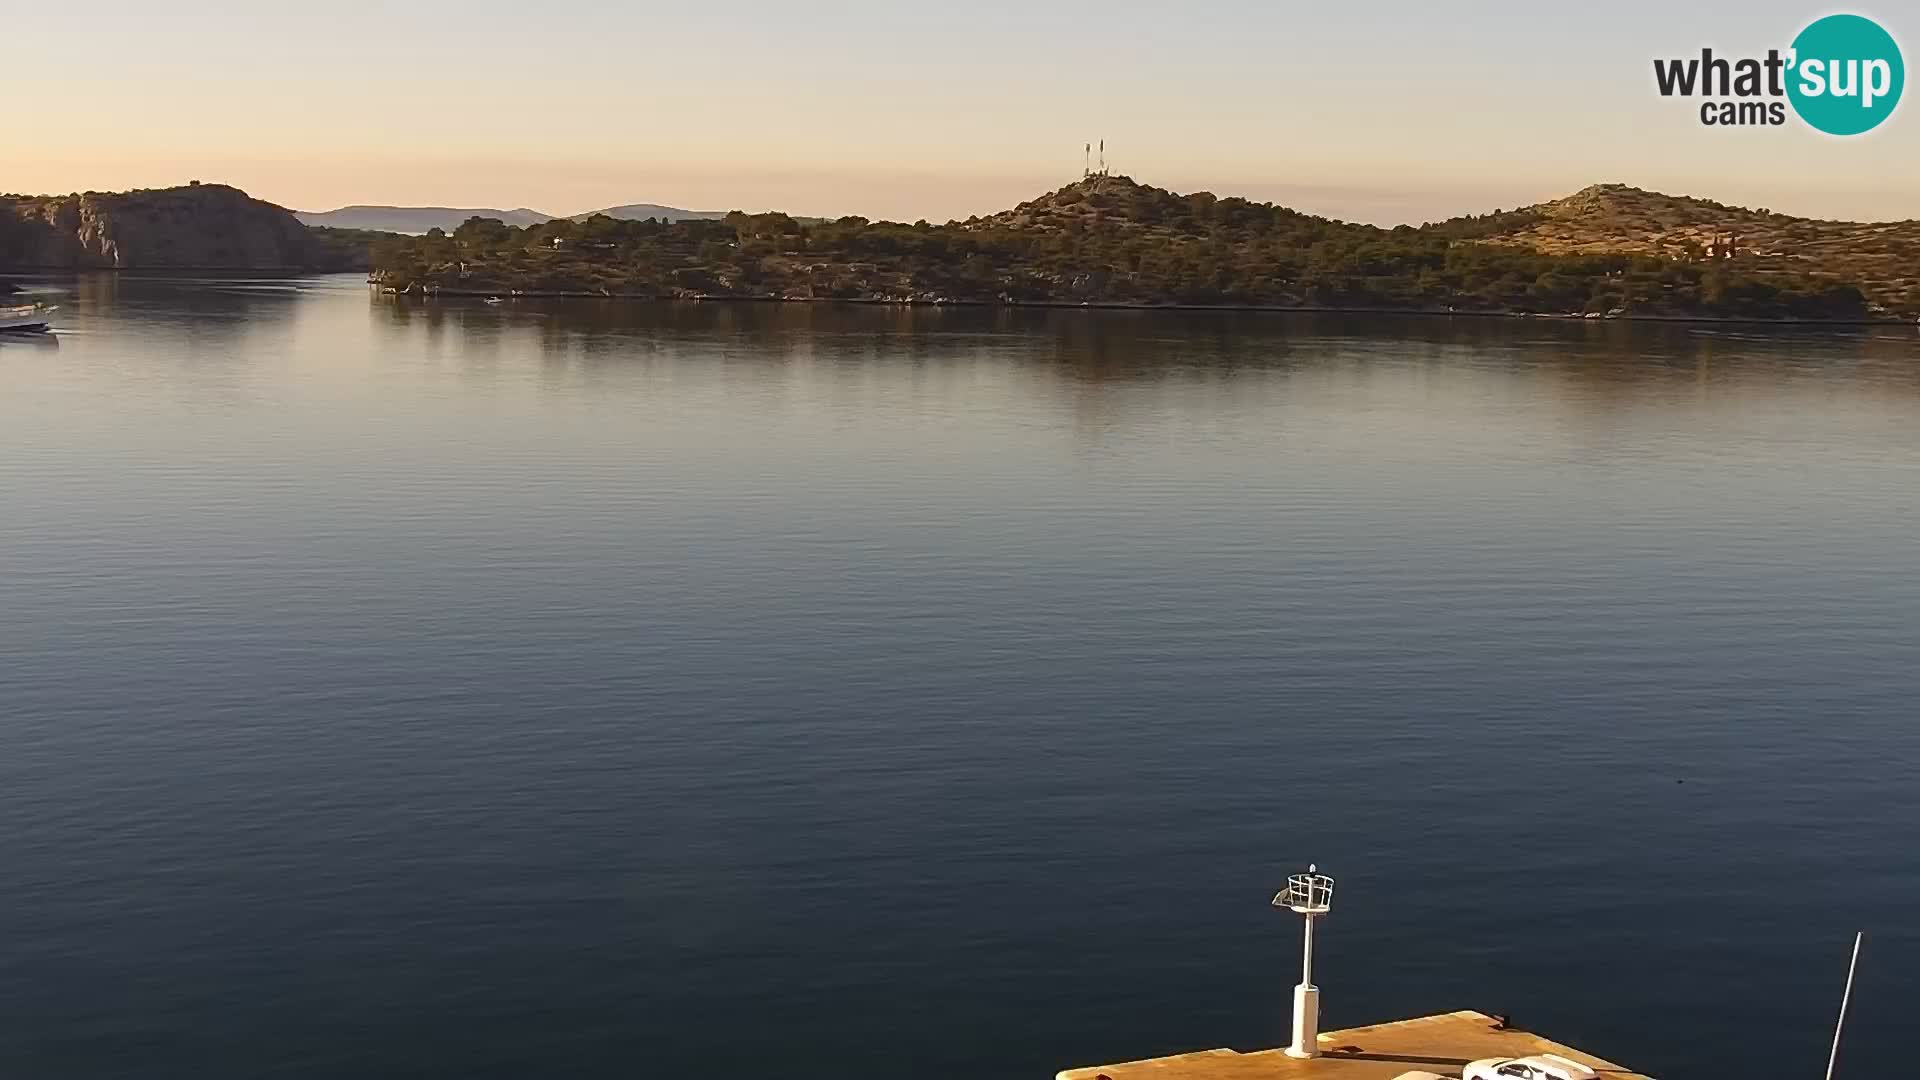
[1845,996]
[1306,958]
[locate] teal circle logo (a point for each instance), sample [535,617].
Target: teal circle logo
[1846,76]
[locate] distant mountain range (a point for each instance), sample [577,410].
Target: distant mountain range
[418,219]
[413,219]
[642,211]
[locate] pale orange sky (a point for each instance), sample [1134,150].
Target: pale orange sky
[1388,112]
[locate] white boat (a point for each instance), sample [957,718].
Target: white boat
[27,319]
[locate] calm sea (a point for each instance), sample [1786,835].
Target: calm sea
[595,690]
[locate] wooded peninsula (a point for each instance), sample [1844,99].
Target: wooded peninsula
[1107,240]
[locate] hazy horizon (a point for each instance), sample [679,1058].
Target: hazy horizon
[1391,113]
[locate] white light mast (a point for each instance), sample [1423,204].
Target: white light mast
[1310,895]
[1847,996]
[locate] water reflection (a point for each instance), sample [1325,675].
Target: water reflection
[1587,364]
[1104,344]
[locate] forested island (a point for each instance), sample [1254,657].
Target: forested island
[1107,240]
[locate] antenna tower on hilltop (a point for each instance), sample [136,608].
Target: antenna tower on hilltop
[1087,169]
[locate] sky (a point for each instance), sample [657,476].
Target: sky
[1390,111]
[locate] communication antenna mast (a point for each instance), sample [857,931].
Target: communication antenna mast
[1103,157]
[1086,162]
[1309,895]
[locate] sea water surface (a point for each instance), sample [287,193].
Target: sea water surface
[600,690]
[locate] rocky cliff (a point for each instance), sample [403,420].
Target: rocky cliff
[198,227]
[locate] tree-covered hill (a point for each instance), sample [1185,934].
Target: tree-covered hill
[1109,240]
[1881,258]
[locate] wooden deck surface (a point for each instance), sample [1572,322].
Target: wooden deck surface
[1438,1044]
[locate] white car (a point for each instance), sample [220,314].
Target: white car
[1538,1067]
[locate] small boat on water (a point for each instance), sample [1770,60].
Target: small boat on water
[26,319]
